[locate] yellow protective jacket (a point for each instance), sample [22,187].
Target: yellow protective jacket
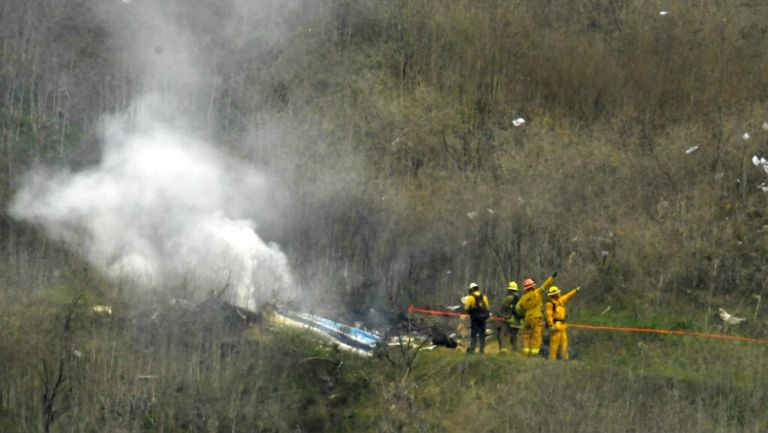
[530,304]
[469,301]
[555,309]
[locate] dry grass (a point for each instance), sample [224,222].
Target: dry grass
[136,374]
[392,123]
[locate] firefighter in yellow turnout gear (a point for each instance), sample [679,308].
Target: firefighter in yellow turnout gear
[511,325]
[529,307]
[479,310]
[558,329]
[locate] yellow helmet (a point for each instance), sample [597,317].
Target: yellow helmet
[553,291]
[512,286]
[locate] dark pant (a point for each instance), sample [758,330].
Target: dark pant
[505,330]
[477,330]
[513,330]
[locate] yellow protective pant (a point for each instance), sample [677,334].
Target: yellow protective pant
[532,336]
[558,339]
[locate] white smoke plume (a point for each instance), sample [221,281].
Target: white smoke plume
[162,209]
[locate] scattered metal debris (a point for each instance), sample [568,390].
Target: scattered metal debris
[745,136]
[102,309]
[519,121]
[760,162]
[692,149]
[407,340]
[344,337]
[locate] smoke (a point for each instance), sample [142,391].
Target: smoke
[165,209]
[186,46]
[162,209]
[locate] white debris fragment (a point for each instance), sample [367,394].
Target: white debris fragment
[765,126]
[763,187]
[604,253]
[448,272]
[77,353]
[147,377]
[519,121]
[491,211]
[730,319]
[719,175]
[692,149]
[472,215]
[760,162]
[183,303]
[745,136]
[454,307]
[103,309]
[663,13]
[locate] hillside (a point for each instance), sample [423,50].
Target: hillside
[349,157]
[182,373]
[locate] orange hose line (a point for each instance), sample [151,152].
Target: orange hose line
[412,310]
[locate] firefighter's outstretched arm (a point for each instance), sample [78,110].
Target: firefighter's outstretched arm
[548,282]
[569,295]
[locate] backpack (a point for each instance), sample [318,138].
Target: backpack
[479,311]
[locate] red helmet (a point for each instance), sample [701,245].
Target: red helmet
[529,284]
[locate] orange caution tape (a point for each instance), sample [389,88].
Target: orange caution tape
[412,310]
